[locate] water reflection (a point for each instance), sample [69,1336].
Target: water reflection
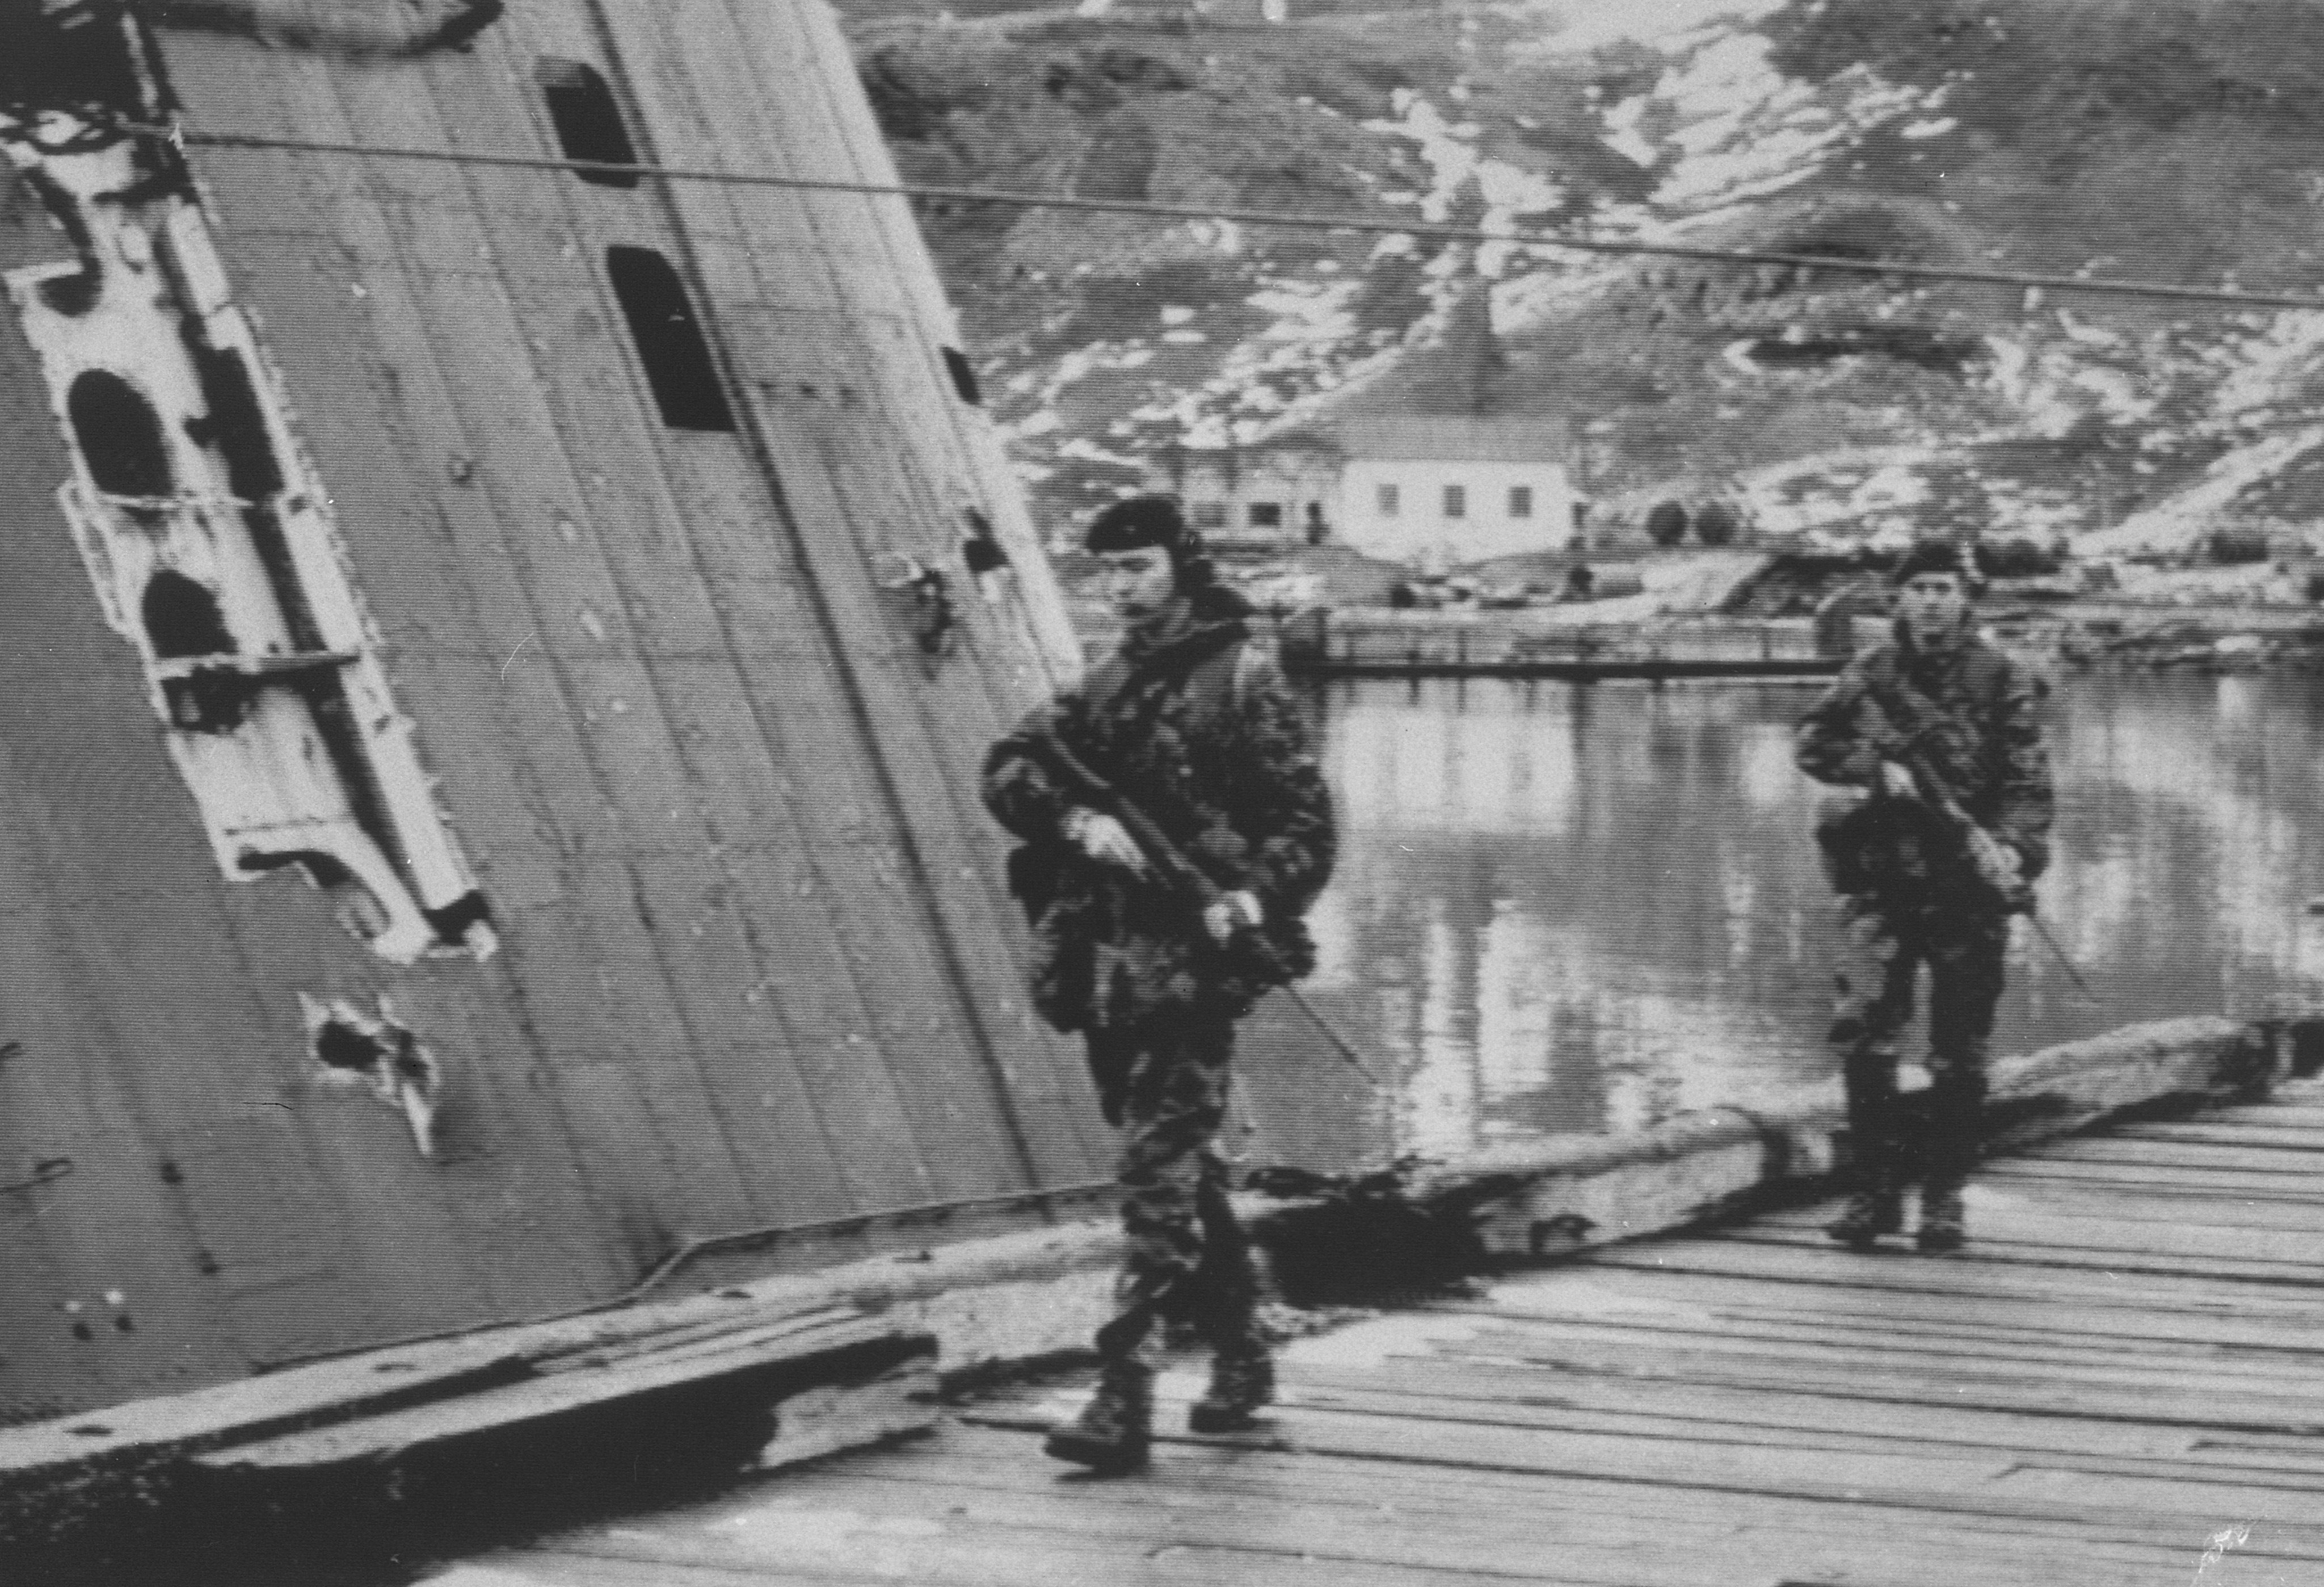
[1565,908]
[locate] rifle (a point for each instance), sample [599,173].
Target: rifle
[1996,866]
[1184,877]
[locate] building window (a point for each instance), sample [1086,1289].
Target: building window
[670,341]
[1521,501]
[1267,515]
[1210,515]
[1456,501]
[1385,499]
[589,123]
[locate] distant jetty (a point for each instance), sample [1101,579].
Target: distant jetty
[1547,643]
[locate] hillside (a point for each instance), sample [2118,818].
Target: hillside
[2175,140]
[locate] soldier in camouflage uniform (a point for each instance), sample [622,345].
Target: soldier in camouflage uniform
[1933,705]
[1191,721]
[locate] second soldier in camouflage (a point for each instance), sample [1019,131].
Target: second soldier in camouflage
[1937,731]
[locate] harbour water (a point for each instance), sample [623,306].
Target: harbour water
[1571,908]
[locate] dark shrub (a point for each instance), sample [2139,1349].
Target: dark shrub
[2237,545]
[1666,524]
[1715,524]
[2015,558]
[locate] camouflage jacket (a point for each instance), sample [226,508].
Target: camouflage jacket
[1979,734]
[1195,725]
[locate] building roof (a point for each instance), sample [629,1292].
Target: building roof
[1454,439]
[1289,440]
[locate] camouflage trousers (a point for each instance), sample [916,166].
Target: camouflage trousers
[1164,1081]
[1882,950]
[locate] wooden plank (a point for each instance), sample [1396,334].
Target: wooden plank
[2246,1136]
[1001,1563]
[1455,1389]
[2189,1405]
[852,1354]
[2083,1284]
[2285,1113]
[1877,1333]
[2118,1505]
[2197,1237]
[1607,1293]
[2105,1253]
[194,1419]
[2172,1274]
[2102,1372]
[2294,1187]
[2192,1156]
[1524,1543]
[1377,1508]
[1320,1492]
[1218,1547]
[2057,1362]
[2111,1204]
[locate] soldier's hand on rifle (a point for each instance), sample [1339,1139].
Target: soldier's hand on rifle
[1896,781]
[2002,866]
[1231,914]
[1105,839]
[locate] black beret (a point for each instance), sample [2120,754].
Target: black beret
[1938,557]
[1137,522]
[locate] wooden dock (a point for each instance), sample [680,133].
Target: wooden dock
[2120,1382]
[1548,644]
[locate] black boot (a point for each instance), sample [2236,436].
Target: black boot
[1944,1224]
[1242,1380]
[1115,1430]
[1878,1209]
[1956,1104]
[1868,1215]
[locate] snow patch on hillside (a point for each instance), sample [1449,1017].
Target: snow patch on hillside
[1592,25]
[2181,519]
[2278,363]
[1739,129]
[1876,487]
[1733,129]
[1454,163]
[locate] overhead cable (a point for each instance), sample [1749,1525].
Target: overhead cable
[1901,269]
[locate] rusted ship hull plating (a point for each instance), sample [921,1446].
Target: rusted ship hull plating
[497,660]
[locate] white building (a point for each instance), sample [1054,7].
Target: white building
[1442,490]
[1433,491]
[1286,487]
